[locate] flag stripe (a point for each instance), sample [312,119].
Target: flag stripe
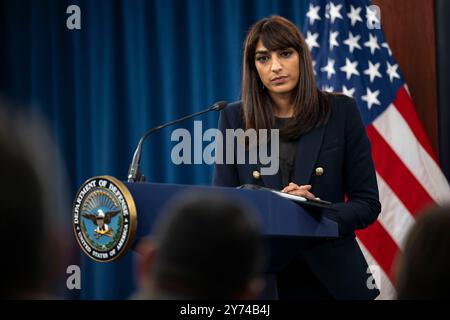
[380,245]
[394,172]
[398,134]
[394,217]
[404,105]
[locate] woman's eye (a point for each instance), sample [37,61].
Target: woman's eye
[285,54]
[262,59]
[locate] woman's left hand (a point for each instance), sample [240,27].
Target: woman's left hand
[297,190]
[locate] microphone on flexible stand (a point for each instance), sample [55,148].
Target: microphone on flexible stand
[134,173]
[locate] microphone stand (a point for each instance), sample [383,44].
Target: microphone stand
[134,173]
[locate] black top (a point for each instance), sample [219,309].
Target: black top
[287,153]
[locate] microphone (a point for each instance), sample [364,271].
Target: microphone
[134,173]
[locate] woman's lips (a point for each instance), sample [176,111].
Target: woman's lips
[278,80]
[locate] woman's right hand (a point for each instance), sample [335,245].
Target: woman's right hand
[297,190]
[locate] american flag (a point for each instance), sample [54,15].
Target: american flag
[351,56]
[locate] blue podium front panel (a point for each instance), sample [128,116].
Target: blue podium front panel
[287,226]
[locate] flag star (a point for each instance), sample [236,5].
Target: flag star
[327,88]
[333,39]
[385,45]
[329,68]
[372,71]
[314,66]
[313,14]
[392,71]
[352,42]
[372,16]
[348,92]
[350,68]
[354,15]
[311,40]
[334,11]
[372,43]
[371,98]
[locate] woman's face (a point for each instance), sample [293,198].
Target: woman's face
[278,70]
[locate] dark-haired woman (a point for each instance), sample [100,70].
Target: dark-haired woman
[324,152]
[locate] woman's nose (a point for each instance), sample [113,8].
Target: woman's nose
[276,65]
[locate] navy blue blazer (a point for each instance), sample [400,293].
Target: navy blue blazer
[343,150]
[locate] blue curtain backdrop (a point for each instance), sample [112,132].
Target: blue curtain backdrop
[133,65]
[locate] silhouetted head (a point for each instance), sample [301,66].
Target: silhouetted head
[33,203]
[423,267]
[207,246]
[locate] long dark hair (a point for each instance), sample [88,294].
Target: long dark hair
[311,108]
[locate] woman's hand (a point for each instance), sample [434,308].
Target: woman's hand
[302,191]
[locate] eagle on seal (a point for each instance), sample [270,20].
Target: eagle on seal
[101,220]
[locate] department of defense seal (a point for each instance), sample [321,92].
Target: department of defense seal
[104,218]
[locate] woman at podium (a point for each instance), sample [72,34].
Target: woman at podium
[324,152]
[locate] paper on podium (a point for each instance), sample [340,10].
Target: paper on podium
[298,199]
